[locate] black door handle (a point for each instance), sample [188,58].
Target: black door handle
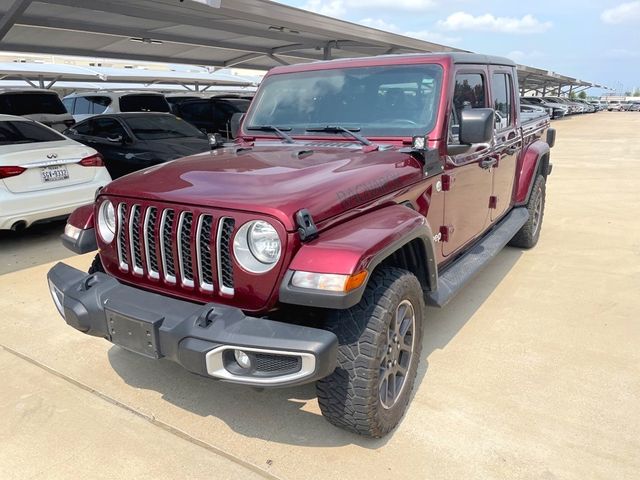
[488,162]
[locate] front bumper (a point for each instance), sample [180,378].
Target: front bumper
[201,338]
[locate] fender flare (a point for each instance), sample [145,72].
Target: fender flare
[530,165]
[359,244]
[82,219]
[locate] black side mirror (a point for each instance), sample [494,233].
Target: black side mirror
[477,125]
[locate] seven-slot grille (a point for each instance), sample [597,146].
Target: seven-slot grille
[176,246]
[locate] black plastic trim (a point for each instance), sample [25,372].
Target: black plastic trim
[176,330]
[85,243]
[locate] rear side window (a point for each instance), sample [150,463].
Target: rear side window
[68,104]
[144,103]
[502,99]
[26,132]
[91,105]
[199,111]
[31,103]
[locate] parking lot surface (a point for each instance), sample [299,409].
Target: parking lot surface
[532,372]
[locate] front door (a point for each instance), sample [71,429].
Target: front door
[467,182]
[508,141]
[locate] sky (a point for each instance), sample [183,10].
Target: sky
[596,41]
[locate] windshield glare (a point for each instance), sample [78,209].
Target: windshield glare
[160,127]
[377,101]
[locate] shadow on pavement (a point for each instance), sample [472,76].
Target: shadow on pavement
[280,415]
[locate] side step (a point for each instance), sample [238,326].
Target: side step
[458,274]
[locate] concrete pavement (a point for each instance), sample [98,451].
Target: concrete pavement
[532,372]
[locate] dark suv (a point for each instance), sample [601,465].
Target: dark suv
[215,114]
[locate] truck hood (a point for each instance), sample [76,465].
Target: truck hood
[275,180]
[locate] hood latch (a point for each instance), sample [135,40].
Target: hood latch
[306,228]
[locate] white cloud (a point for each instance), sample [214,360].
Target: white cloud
[425,35]
[625,12]
[338,8]
[489,23]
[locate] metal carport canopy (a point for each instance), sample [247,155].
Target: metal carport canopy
[254,34]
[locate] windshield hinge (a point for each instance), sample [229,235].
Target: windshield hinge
[306,228]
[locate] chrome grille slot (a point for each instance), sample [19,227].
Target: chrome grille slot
[123,256]
[203,238]
[166,245]
[150,244]
[134,238]
[225,268]
[185,260]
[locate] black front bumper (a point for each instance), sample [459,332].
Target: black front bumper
[201,338]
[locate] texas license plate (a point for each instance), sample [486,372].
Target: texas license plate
[54,173]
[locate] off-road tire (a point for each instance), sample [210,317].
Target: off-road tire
[350,397]
[528,235]
[96,265]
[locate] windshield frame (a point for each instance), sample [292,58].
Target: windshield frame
[382,131]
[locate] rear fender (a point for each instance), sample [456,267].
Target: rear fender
[82,237]
[532,157]
[360,245]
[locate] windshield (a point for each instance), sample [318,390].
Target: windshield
[390,100]
[12,132]
[144,103]
[31,103]
[158,127]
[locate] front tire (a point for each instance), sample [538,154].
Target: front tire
[380,343]
[528,235]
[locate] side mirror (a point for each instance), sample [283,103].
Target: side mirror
[477,125]
[476,128]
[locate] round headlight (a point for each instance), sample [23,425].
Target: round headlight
[264,242]
[107,221]
[257,246]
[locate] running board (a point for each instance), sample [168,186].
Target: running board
[458,274]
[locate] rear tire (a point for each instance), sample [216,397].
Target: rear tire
[96,265]
[380,343]
[528,235]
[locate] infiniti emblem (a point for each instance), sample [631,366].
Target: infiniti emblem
[52,155]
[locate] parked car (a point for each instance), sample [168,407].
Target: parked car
[558,110]
[528,112]
[43,106]
[43,175]
[214,115]
[588,107]
[614,106]
[634,107]
[306,251]
[87,104]
[574,108]
[130,142]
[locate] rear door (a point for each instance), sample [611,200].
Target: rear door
[508,140]
[466,182]
[49,159]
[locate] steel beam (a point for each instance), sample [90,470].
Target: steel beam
[13,14]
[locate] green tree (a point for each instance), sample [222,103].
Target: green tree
[572,95]
[582,95]
[637,92]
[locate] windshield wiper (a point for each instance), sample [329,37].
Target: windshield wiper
[341,129]
[271,128]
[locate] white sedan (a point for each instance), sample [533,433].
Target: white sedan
[43,174]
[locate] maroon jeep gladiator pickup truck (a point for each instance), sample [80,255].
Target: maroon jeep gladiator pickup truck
[357,192]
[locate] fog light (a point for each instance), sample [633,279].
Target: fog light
[58,297]
[242,358]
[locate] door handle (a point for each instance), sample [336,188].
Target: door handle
[488,162]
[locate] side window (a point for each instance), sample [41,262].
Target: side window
[107,127]
[99,104]
[502,100]
[469,92]
[83,106]
[84,128]
[198,111]
[68,104]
